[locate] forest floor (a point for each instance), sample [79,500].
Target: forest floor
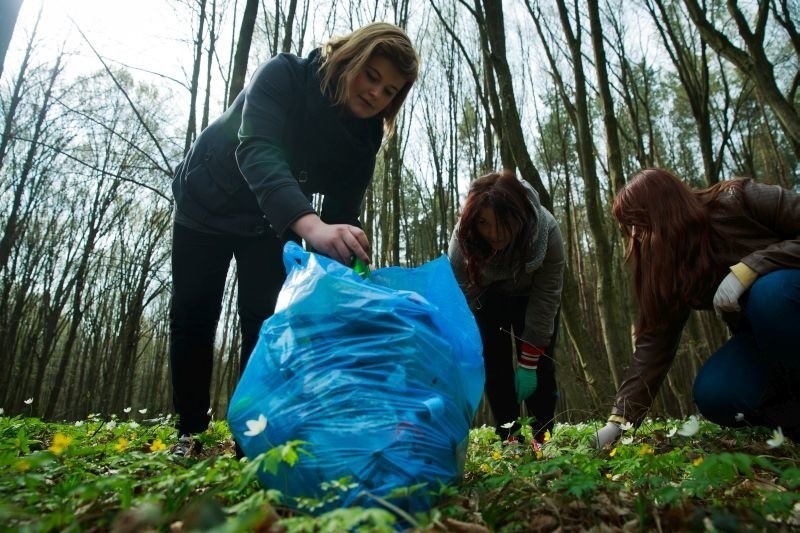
[669,475]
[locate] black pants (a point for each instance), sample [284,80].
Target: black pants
[495,318]
[200,263]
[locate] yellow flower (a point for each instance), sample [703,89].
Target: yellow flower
[547,435]
[121,444]
[158,446]
[698,461]
[646,449]
[23,465]
[612,453]
[608,475]
[60,443]
[539,454]
[485,468]
[497,456]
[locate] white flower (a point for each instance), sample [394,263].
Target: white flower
[143,411]
[690,427]
[739,417]
[626,426]
[777,438]
[2,411]
[255,427]
[28,401]
[626,440]
[133,424]
[111,425]
[209,411]
[126,410]
[79,423]
[507,425]
[672,432]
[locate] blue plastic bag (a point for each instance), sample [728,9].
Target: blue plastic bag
[379,377]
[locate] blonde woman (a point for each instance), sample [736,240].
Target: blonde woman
[302,126]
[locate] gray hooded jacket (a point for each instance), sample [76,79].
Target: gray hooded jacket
[540,277]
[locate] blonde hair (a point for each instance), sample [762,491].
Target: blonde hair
[344,58]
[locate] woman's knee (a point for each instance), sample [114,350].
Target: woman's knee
[731,382]
[712,397]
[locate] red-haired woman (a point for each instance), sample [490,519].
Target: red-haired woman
[734,247]
[508,257]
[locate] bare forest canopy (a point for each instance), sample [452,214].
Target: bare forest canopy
[576,96]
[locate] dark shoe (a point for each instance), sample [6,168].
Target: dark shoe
[187,446]
[780,406]
[238,450]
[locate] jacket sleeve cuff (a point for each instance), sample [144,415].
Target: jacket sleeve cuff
[529,356]
[617,419]
[746,275]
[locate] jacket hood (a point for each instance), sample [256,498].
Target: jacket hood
[533,198]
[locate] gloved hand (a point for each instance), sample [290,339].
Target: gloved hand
[606,435]
[726,299]
[525,380]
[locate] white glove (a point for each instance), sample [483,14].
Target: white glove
[728,293]
[606,435]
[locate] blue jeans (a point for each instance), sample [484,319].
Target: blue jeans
[747,380]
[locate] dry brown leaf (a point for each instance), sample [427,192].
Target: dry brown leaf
[543,522]
[457,526]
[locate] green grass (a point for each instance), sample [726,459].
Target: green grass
[101,475]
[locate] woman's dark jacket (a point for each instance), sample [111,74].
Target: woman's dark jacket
[257,165]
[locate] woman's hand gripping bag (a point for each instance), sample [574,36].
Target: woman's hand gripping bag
[378,379]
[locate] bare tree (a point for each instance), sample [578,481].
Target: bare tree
[491,21]
[194,84]
[615,323]
[753,61]
[243,49]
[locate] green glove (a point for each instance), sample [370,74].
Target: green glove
[525,382]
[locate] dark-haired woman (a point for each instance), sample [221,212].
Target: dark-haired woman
[508,257]
[734,247]
[302,126]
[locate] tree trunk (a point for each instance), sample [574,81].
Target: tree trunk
[494,28]
[243,49]
[615,324]
[288,25]
[194,87]
[613,145]
[9,11]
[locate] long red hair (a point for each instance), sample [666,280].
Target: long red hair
[668,230]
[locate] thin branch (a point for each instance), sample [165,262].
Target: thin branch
[125,93]
[96,169]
